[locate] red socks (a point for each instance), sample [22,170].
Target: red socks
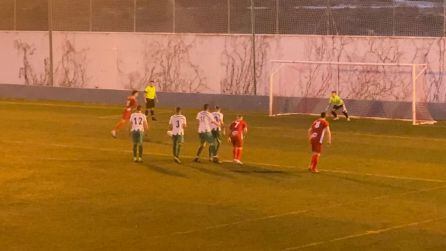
[314,161]
[237,152]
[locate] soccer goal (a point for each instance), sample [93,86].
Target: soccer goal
[373,90]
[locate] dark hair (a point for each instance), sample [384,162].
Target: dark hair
[323,115]
[134,92]
[334,92]
[205,107]
[178,109]
[217,107]
[139,108]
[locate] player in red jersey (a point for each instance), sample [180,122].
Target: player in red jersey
[130,106]
[238,129]
[316,134]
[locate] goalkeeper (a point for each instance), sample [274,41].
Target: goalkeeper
[337,104]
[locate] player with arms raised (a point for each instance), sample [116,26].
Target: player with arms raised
[316,135]
[139,124]
[130,106]
[177,124]
[238,130]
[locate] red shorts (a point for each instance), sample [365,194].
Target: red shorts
[237,141]
[316,147]
[126,114]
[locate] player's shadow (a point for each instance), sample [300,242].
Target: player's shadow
[164,170]
[213,170]
[157,142]
[256,170]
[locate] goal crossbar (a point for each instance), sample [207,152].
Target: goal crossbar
[417,71]
[345,63]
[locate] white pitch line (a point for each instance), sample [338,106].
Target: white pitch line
[385,176]
[249,163]
[86,106]
[231,224]
[293,213]
[115,116]
[367,233]
[249,220]
[354,173]
[163,112]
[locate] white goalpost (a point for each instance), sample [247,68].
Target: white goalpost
[374,90]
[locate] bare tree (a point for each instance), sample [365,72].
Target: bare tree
[27,71]
[237,60]
[72,66]
[170,65]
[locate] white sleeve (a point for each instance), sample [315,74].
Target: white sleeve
[198,115]
[212,119]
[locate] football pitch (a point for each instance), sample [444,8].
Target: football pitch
[66,184]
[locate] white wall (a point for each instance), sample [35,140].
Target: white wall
[220,63]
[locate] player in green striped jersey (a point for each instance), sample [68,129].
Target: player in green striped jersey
[177,124]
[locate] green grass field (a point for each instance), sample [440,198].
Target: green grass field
[67,185]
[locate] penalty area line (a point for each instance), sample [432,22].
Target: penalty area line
[296,213]
[367,233]
[336,171]
[292,213]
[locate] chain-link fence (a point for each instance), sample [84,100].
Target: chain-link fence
[333,17]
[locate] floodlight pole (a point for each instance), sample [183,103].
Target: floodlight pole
[50,40]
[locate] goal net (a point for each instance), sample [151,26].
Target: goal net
[374,90]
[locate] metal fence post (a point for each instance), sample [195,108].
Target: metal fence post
[229,16]
[393,18]
[277,17]
[15,15]
[444,18]
[253,31]
[50,40]
[91,17]
[134,15]
[173,16]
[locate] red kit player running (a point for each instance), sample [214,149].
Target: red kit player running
[316,134]
[238,129]
[130,106]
